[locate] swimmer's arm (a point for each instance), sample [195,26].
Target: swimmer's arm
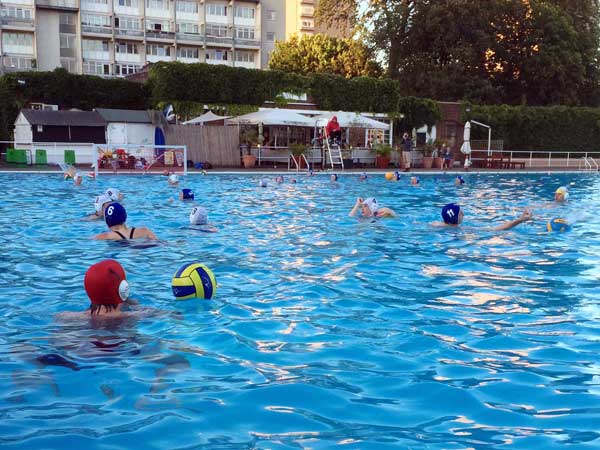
[356,207]
[147,233]
[387,212]
[102,237]
[513,223]
[91,217]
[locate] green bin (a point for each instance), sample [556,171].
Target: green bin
[70,157]
[16,156]
[41,157]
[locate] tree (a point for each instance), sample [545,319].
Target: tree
[534,52]
[323,54]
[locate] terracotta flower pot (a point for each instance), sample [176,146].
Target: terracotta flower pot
[382,162]
[249,161]
[427,162]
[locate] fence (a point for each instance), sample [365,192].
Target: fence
[220,146]
[532,159]
[55,151]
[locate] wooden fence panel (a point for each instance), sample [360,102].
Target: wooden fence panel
[219,145]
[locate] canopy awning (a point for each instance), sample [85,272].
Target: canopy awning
[273,117]
[352,120]
[206,117]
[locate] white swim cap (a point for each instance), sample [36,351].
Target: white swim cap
[198,216]
[113,194]
[262,182]
[371,203]
[564,191]
[99,201]
[173,178]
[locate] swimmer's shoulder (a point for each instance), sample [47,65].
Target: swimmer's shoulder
[106,236]
[143,232]
[386,212]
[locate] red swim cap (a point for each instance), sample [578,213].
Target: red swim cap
[105,283]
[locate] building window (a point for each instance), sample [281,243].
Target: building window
[216,30]
[308,23]
[242,56]
[13,12]
[128,3]
[69,64]
[187,7]
[96,68]
[126,69]
[213,9]
[244,12]
[127,23]
[66,19]
[92,45]
[270,36]
[125,48]
[157,4]
[187,27]
[158,50]
[308,10]
[244,33]
[17,39]
[221,55]
[271,15]
[95,20]
[67,41]
[187,52]
[93,2]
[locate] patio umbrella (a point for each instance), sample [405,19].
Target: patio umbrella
[465,148]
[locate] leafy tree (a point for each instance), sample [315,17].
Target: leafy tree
[323,54]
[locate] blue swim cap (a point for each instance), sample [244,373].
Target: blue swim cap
[558,225]
[188,194]
[461,179]
[115,214]
[397,175]
[450,213]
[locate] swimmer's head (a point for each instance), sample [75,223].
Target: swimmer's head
[78,179]
[263,183]
[279,179]
[100,203]
[363,176]
[397,175]
[333,177]
[106,284]
[173,179]
[370,207]
[561,194]
[310,173]
[292,180]
[558,225]
[186,194]
[115,214]
[459,180]
[452,214]
[114,194]
[198,216]
[414,181]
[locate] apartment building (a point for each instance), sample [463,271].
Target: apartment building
[118,37]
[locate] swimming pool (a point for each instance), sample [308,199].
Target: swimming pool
[325,330]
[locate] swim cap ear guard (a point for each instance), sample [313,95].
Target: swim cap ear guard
[124,290]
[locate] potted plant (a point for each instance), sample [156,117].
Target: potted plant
[297,151]
[428,156]
[383,152]
[249,137]
[347,158]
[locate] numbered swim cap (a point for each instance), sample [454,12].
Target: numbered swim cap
[372,204]
[100,201]
[106,284]
[115,214]
[198,216]
[562,191]
[558,225]
[450,213]
[187,194]
[113,194]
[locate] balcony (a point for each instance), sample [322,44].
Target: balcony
[126,33]
[18,63]
[156,58]
[96,30]
[190,37]
[62,5]
[65,28]
[247,43]
[67,53]
[160,35]
[219,40]
[14,22]
[128,57]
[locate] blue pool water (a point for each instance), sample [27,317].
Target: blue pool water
[326,331]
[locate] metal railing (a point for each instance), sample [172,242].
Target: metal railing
[127,32]
[96,29]
[61,4]
[531,159]
[17,22]
[190,37]
[55,150]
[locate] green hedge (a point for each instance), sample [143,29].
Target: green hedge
[553,128]
[63,88]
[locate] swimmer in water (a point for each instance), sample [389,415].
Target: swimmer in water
[363,177]
[114,194]
[263,183]
[173,179]
[414,181]
[78,179]
[452,214]
[561,195]
[100,204]
[199,220]
[370,208]
[186,194]
[459,180]
[115,217]
[333,178]
[279,179]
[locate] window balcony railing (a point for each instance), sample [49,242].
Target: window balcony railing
[18,63]
[17,22]
[96,29]
[127,32]
[58,4]
[219,40]
[154,34]
[192,37]
[247,42]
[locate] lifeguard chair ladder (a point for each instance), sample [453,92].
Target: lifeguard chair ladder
[334,152]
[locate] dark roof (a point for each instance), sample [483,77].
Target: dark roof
[124,115]
[64,118]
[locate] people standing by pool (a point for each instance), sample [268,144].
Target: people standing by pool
[406,146]
[452,216]
[447,155]
[370,208]
[115,217]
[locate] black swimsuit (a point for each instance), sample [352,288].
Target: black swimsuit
[130,233]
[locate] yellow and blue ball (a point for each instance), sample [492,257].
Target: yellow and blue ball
[558,225]
[390,176]
[194,280]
